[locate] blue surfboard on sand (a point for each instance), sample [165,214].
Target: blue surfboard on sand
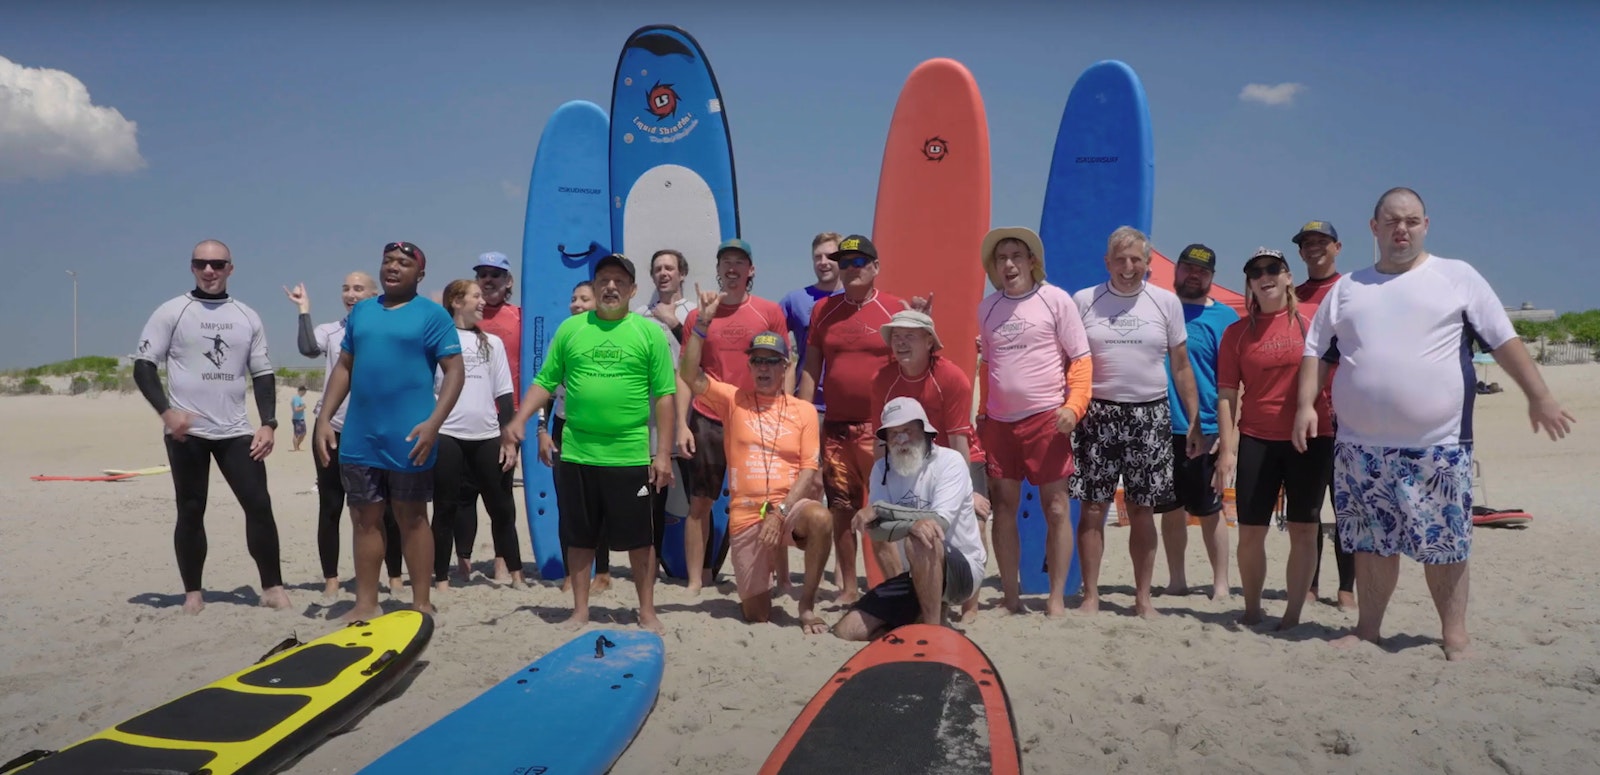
[1102,176]
[604,683]
[568,223]
[672,183]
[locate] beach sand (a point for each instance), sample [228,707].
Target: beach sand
[93,634]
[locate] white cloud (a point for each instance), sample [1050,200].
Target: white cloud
[1268,94]
[49,128]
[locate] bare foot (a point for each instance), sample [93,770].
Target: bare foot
[464,567]
[811,624]
[1459,652]
[396,584]
[1055,607]
[1089,606]
[846,596]
[693,589]
[566,584]
[192,604]
[1288,623]
[441,586]
[1175,589]
[969,611]
[359,614]
[1013,604]
[1351,641]
[601,583]
[1311,596]
[275,598]
[1221,592]
[649,621]
[1347,601]
[781,587]
[330,587]
[425,608]
[575,621]
[1250,618]
[1146,611]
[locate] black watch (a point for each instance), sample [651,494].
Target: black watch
[273,424]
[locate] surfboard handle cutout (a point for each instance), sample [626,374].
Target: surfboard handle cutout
[381,662]
[601,643]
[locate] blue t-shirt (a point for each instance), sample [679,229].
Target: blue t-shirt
[395,352]
[797,306]
[298,406]
[1205,324]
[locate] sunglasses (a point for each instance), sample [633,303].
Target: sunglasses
[491,272]
[214,264]
[854,262]
[1274,269]
[405,247]
[765,361]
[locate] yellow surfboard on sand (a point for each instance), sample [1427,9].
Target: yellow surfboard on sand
[259,719]
[151,471]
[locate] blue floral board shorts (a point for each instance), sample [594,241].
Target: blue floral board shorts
[1404,500]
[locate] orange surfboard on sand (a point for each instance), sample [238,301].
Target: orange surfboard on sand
[918,699]
[933,210]
[933,202]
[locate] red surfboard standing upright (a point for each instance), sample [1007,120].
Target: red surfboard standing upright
[933,209]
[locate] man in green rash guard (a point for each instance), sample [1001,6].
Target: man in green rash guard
[613,364]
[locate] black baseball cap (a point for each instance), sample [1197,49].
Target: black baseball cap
[854,244]
[1276,255]
[617,260]
[1199,255]
[1316,227]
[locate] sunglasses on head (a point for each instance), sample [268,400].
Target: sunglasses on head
[854,262]
[404,247]
[1274,269]
[214,264]
[765,361]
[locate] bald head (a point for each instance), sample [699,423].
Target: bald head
[210,249]
[1398,191]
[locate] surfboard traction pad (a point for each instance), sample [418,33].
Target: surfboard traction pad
[880,719]
[219,715]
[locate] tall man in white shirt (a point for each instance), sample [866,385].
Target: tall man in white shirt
[1133,328]
[1402,332]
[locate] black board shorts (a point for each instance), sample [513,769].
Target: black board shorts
[613,504]
[894,602]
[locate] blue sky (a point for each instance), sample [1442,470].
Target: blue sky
[306,136]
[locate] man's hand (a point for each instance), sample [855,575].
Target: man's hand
[322,442]
[261,445]
[425,435]
[660,472]
[772,529]
[547,449]
[928,532]
[666,313]
[1546,414]
[1222,474]
[297,294]
[709,300]
[864,517]
[980,506]
[508,457]
[510,440]
[685,445]
[1066,420]
[1194,442]
[177,422]
[1305,428]
[923,304]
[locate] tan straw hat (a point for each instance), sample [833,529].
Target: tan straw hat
[1027,237]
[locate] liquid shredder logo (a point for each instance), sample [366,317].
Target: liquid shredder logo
[935,148]
[661,101]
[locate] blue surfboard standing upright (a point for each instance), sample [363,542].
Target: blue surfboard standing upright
[567,227]
[672,186]
[1102,176]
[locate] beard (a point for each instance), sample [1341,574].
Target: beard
[908,459]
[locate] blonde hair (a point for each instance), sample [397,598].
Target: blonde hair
[1126,236]
[827,236]
[456,291]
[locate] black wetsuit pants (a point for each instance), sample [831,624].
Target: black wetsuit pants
[462,460]
[190,460]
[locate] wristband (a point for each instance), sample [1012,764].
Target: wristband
[699,333]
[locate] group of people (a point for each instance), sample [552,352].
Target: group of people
[833,421]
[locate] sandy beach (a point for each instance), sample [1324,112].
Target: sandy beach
[93,632]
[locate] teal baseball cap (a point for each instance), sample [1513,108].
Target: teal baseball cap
[736,244]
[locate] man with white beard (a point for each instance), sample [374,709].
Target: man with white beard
[923,493]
